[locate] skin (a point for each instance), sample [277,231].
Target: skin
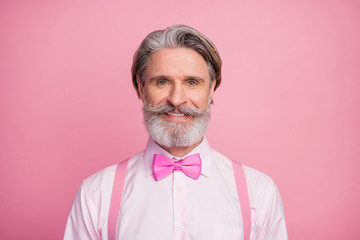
[179,77]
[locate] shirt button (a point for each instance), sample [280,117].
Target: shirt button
[179,189]
[181,225]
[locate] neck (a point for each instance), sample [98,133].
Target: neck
[180,151]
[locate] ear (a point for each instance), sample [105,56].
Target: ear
[212,90]
[140,87]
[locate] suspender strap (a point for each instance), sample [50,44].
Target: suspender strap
[116,196]
[243,194]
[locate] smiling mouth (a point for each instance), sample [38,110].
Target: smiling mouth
[176,114]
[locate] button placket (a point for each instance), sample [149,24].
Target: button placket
[179,196]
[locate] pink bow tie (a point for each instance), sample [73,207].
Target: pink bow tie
[163,166]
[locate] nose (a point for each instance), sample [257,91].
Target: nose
[177,95]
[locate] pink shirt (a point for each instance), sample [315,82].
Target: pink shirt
[177,207]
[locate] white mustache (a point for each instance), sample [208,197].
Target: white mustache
[161,109]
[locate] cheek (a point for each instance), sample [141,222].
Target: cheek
[200,100]
[155,97]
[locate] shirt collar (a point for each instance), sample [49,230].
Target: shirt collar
[203,149]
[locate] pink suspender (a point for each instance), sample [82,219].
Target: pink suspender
[116,195]
[118,186]
[243,195]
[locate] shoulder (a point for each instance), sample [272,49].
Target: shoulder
[257,178]
[259,183]
[102,181]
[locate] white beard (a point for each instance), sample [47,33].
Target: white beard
[171,134]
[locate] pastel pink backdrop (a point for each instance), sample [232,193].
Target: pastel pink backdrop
[288,104]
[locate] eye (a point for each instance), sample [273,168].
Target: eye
[192,83]
[161,82]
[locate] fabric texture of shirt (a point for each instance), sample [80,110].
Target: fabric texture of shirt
[177,207]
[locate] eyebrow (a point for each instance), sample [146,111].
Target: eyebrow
[158,77]
[161,77]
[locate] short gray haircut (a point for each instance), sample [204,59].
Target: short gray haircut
[173,37]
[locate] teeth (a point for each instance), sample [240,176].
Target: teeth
[176,114]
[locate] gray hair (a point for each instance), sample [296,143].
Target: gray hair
[173,37]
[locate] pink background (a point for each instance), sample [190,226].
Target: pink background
[289,104]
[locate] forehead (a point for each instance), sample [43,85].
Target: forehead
[177,62]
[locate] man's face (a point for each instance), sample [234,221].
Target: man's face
[177,79]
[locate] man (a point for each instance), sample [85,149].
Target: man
[175,72]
